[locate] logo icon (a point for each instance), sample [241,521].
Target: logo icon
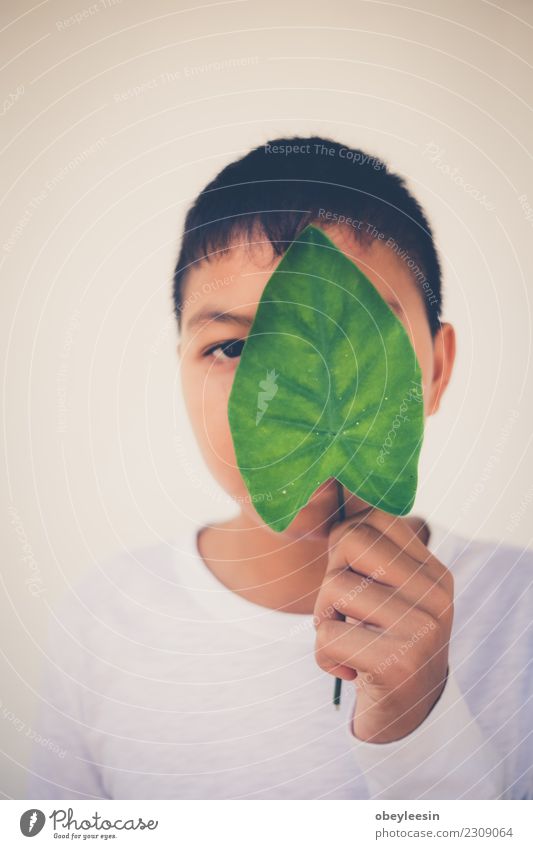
[269,388]
[32,822]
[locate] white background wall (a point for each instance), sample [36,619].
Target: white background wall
[96,180]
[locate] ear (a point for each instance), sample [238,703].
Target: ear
[443,360]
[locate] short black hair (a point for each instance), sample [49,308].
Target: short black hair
[280,187]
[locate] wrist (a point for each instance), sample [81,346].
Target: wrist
[370,725]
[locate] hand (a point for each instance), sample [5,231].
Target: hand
[381,574]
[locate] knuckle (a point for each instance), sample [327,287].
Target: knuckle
[338,533]
[444,577]
[324,635]
[330,629]
[448,581]
[445,617]
[359,536]
[325,604]
[432,632]
[418,619]
[438,597]
[363,536]
[320,604]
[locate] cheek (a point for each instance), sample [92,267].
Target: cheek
[206,396]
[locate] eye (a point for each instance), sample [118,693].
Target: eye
[225,351]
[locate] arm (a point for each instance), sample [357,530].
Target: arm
[411,728]
[446,757]
[60,762]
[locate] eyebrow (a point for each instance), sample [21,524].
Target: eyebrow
[205,315]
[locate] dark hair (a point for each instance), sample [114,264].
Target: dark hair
[279,188]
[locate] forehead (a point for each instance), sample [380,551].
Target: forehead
[235,280]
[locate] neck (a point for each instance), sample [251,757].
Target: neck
[270,569]
[267,568]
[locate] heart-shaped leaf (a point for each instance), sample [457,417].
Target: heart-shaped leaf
[328,385]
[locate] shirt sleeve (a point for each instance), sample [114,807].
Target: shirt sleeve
[60,760]
[447,757]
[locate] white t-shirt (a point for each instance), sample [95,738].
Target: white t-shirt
[160,683]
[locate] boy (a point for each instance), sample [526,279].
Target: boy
[204,669]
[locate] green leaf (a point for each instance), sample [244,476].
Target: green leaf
[328,385]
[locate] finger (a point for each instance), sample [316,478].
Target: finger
[399,531]
[351,646]
[338,670]
[366,550]
[385,607]
[394,527]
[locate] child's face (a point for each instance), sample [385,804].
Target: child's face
[234,283]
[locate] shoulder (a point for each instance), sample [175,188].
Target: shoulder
[476,554]
[490,574]
[494,558]
[494,598]
[125,591]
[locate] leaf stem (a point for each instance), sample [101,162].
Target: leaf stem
[338,681]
